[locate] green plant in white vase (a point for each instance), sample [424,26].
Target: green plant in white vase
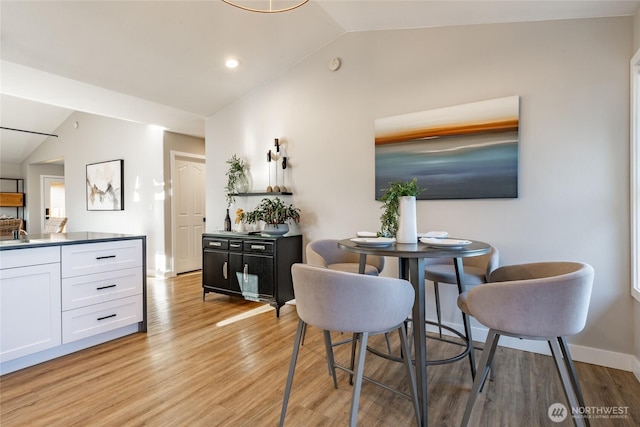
[274,213]
[237,178]
[391,204]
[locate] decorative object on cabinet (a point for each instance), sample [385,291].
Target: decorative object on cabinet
[267,6]
[466,151]
[238,221]
[256,268]
[238,179]
[104,186]
[274,213]
[394,219]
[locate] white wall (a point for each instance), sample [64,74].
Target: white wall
[98,139]
[572,77]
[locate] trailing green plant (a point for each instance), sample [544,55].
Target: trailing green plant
[272,211]
[390,204]
[235,173]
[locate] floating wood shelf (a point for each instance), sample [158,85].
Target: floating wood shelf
[12,200]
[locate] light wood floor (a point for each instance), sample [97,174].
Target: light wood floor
[202,364]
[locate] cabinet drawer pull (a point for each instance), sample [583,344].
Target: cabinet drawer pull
[224,270]
[105,287]
[105,257]
[215,244]
[245,273]
[235,245]
[263,247]
[107,317]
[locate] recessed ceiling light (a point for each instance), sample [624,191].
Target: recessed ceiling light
[232,63]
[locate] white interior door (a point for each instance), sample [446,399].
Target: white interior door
[52,198]
[188,212]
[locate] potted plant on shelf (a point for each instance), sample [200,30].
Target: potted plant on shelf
[399,216]
[237,178]
[275,215]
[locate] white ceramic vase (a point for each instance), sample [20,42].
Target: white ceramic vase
[275,229]
[407,223]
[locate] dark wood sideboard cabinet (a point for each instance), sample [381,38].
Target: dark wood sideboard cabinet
[254,267]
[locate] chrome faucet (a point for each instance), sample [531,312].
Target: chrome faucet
[18,233]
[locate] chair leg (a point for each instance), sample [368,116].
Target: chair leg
[304,334]
[566,380]
[388,340]
[405,350]
[568,361]
[330,361]
[436,291]
[362,351]
[292,368]
[354,343]
[485,362]
[467,332]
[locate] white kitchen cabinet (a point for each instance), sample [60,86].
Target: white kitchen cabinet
[61,296]
[91,258]
[101,288]
[81,291]
[98,318]
[30,302]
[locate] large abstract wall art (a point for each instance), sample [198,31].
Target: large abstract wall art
[104,186]
[467,151]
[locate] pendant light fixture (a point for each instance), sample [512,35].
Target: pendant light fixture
[266,6]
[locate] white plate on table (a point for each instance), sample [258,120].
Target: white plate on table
[435,234]
[445,243]
[369,234]
[374,242]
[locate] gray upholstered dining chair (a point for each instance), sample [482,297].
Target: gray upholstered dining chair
[326,253]
[364,305]
[476,272]
[541,301]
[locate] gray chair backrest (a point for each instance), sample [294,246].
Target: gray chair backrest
[546,299]
[326,251]
[348,302]
[488,261]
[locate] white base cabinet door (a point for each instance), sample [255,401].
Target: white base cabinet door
[30,310]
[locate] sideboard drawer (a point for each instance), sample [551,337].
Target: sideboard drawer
[96,319]
[258,246]
[80,291]
[209,243]
[92,258]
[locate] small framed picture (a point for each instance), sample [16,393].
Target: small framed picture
[104,186]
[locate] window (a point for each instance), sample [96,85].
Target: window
[635,175]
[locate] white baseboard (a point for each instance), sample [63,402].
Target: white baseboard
[161,274]
[594,356]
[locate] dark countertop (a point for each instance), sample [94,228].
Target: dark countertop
[40,240]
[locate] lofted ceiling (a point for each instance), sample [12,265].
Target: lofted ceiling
[162,62]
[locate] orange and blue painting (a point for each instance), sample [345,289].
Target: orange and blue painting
[467,151]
